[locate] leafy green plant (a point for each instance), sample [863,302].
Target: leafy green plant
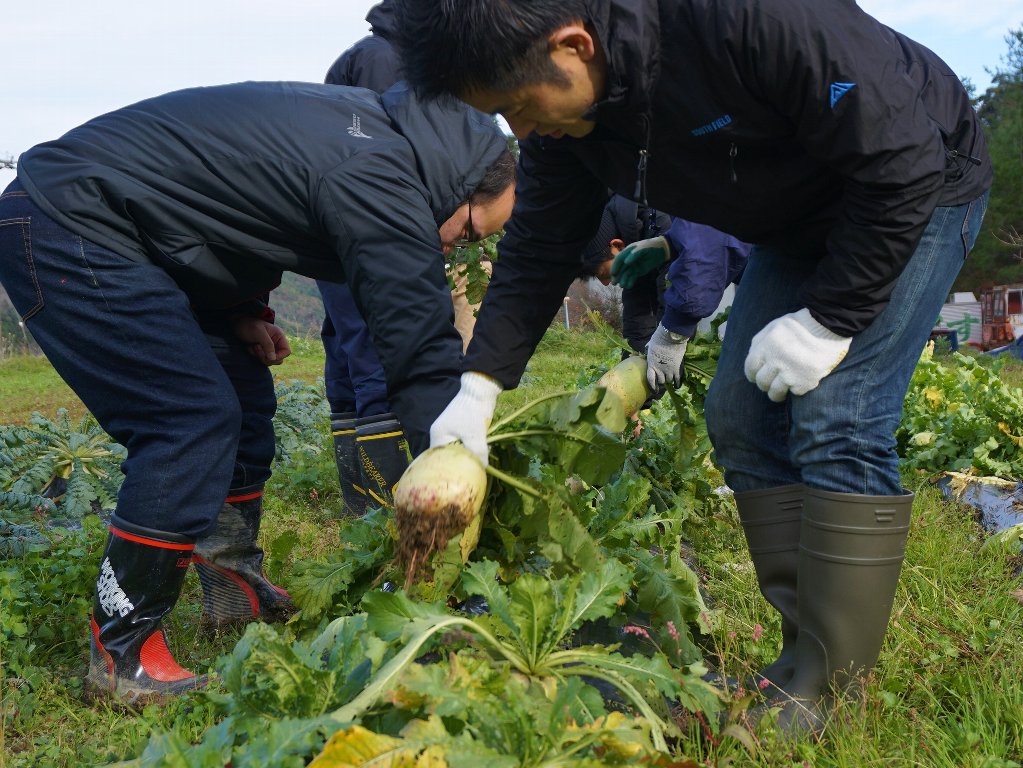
[301,420]
[57,464]
[961,416]
[512,686]
[45,597]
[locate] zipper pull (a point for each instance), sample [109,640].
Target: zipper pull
[639,193]
[732,152]
[968,158]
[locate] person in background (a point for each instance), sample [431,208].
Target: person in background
[673,274]
[848,153]
[369,447]
[137,249]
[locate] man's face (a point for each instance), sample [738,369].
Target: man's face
[477,222]
[603,273]
[552,108]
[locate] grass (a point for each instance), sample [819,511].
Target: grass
[945,692]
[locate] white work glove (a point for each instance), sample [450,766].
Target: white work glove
[468,415]
[792,354]
[664,354]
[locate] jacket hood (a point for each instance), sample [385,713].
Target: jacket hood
[454,145]
[381,19]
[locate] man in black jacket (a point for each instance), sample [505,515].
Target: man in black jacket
[369,444]
[848,153]
[135,248]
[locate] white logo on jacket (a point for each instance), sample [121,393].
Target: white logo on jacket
[355,129]
[111,597]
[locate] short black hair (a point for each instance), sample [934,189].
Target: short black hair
[454,47]
[499,175]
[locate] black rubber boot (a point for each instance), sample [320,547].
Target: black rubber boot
[349,471]
[771,520]
[383,454]
[230,565]
[140,578]
[851,551]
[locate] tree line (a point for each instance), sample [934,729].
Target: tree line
[997,258]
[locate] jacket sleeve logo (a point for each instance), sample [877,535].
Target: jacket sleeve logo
[355,129]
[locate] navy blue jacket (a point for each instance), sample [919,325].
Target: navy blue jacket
[774,120]
[227,187]
[706,261]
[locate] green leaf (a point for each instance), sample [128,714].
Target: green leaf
[392,615]
[534,611]
[481,579]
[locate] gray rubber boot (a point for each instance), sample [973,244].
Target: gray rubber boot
[851,551]
[349,471]
[771,520]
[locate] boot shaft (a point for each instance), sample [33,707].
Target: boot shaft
[229,562]
[772,522]
[383,456]
[140,578]
[349,470]
[851,552]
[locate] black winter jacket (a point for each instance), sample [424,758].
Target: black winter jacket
[227,187]
[778,121]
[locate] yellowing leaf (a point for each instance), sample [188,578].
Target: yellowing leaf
[1004,429]
[357,747]
[924,438]
[935,396]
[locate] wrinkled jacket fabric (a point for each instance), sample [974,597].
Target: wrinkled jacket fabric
[372,62]
[705,263]
[227,187]
[786,122]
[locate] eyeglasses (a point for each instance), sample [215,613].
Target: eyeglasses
[471,235]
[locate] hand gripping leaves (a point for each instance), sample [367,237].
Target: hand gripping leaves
[442,492]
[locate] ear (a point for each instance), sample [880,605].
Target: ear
[574,37]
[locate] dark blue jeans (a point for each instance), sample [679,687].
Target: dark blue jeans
[353,376]
[191,406]
[840,436]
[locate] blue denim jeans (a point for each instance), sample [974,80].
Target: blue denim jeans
[191,406]
[840,436]
[353,376]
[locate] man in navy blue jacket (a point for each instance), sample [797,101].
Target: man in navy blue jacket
[664,296]
[136,249]
[847,153]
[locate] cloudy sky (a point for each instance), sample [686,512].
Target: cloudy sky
[66,61]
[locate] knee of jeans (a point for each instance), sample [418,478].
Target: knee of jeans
[221,415]
[718,415]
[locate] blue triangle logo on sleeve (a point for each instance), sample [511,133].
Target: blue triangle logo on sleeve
[838,90]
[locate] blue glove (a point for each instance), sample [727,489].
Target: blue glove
[638,259]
